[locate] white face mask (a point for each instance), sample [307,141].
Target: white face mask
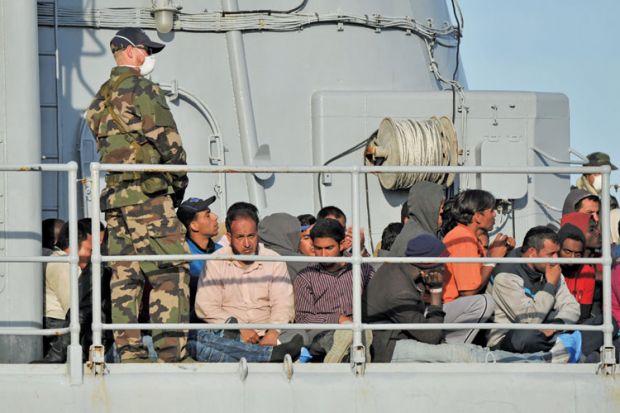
[148,65]
[149,61]
[598,183]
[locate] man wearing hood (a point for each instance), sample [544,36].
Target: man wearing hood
[396,295]
[280,233]
[579,200]
[425,204]
[532,293]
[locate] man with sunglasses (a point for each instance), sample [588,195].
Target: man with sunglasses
[132,124]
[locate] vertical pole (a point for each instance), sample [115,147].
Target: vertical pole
[357,352]
[96,351]
[244,107]
[75,349]
[608,358]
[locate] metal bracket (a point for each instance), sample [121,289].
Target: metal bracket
[358,359]
[243,369]
[173,94]
[287,366]
[75,365]
[607,366]
[96,361]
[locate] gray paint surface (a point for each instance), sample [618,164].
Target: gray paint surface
[21,285]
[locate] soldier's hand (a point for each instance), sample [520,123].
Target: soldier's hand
[177,198]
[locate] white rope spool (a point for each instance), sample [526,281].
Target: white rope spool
[407,142]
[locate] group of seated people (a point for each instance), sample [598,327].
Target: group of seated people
[238,291]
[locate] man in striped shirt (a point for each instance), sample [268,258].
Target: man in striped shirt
[324,292]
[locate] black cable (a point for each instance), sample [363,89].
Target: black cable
[349,151]
[267,11]
[456,66]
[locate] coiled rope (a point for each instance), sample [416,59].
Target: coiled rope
[429,142]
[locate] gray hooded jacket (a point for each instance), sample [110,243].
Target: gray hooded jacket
[280,232]
[425,199]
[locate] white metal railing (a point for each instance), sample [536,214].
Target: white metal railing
[358,356]
[74,352]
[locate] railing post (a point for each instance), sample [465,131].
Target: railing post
[358,353]
[608,353]
[97,351]
[75,349]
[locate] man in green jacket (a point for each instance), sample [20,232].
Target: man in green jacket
[132,124]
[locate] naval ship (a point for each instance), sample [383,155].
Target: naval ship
[277,102]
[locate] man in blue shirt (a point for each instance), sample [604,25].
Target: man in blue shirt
[201,224]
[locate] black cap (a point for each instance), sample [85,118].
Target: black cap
[189,208]
[426,245]
[133,36]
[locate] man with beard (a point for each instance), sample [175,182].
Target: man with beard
[248,291]
[324,291]
[582,283]
[533,293]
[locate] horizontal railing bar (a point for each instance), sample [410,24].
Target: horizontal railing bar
[204,326]
[20,331]
[309,259]
[349,326]
[65,259]
[40,167]
[352,169]
[483,326]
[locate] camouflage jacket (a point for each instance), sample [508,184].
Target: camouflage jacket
[133,126]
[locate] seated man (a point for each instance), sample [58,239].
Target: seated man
[424,208]
[206,346]
[583,283]
[307,221]
[324,293]
[388,236]
[532,293]
[280,232]
[58,288]
[464,298]
[249,291]
[395,295]
[335,213]
[202,226]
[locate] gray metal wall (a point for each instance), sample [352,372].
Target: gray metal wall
[21,284]
[285,70]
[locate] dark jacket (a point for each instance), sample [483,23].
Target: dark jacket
[391,297]
[425,199]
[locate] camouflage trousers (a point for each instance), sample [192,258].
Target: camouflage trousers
[147,229]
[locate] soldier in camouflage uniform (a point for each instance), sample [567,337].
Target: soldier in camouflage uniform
[132,124]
